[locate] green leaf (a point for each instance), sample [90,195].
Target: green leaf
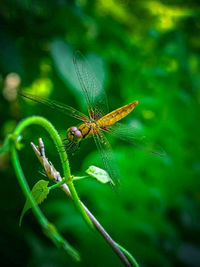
[18,143]
[101,175]
[39,193]
[5,146]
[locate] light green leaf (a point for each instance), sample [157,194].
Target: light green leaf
[101,175]
[39,193]
[5,146]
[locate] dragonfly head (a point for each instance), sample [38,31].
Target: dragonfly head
[74,134]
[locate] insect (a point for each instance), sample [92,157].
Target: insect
[99,120]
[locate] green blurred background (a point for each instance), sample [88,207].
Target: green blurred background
[145,50]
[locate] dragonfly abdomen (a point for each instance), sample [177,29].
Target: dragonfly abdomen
[116,115]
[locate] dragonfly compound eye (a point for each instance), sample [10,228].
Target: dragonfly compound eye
[78,133]
[73,129]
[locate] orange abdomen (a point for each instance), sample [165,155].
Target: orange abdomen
[116,115]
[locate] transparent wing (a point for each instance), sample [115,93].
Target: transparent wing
[72,112]
[92,89]
[132,134]
[107,156]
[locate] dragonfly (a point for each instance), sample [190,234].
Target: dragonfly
[99,120]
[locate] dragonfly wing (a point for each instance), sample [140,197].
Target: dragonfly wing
[107,156]
[132,134]
[91,87]
[72,112]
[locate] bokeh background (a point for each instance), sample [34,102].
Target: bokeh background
[145,50]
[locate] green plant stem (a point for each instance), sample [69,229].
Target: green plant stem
[78,178]
[63,156]
[128,254]
[22,181]
[57,185]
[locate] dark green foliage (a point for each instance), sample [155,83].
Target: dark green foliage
[140,50]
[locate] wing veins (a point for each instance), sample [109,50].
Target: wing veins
[123,132]
[107,155]
[80,70]
[94,94]
[68,110]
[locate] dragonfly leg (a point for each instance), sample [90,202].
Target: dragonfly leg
[65,146]
[79,145]
[60,148]
[76,149]
[70,145]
